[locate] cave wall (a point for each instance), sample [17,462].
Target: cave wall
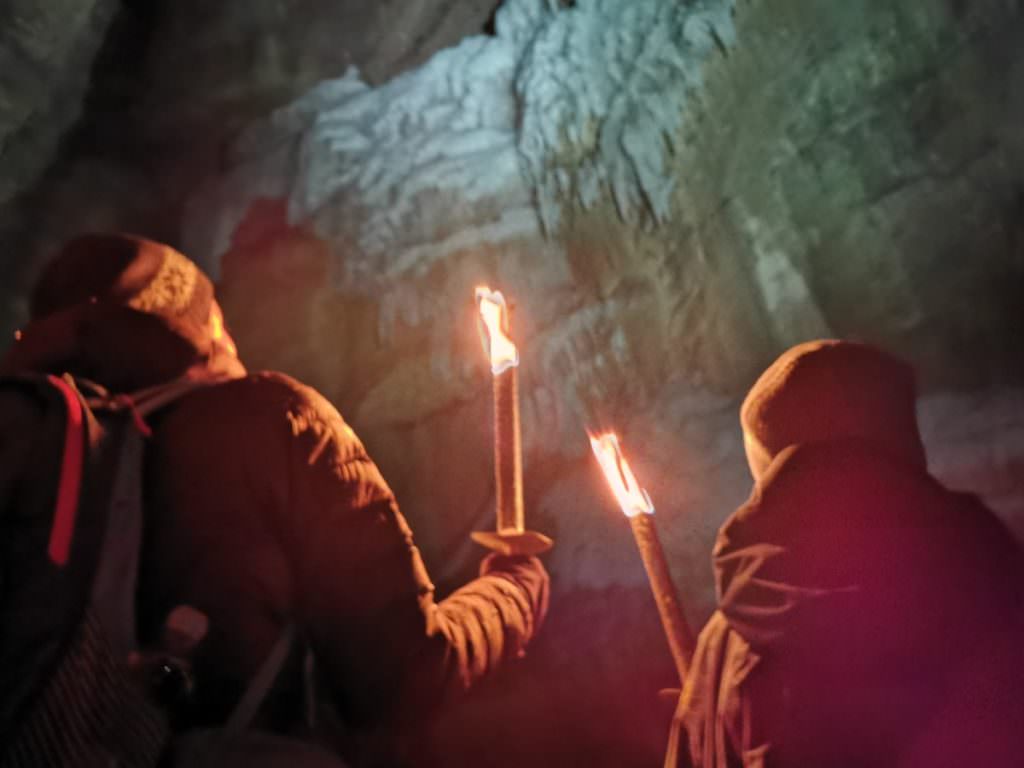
[46,53]
[669,193]
[713,184]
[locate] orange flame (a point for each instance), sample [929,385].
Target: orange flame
[494,330]
[631,497]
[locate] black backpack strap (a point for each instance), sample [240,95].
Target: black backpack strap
[119,562]
[86,708]
[150,400]
[263,681]
[115,583]
[144,402]
[210,748]
[261,684]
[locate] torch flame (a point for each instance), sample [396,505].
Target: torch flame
[631,497]
[494,330]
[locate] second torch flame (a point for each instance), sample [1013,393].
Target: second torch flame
[631,497]
[637,506]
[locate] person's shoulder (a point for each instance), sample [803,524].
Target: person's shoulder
[305,407]
[857,467]
[274,386]
[847,457]
[260,400]
[846,486]
[815,485]
[992,534]
[268,381]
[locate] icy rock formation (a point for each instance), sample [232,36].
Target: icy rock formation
[602,90]
[396,169]
[583,102]
[424,166]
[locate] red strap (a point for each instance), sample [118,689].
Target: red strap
[63,529]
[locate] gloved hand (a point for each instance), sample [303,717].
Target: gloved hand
[493,618]
[528,573]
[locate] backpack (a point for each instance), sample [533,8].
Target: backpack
[70,538]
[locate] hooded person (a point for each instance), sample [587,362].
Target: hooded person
[864,610]
[264,511]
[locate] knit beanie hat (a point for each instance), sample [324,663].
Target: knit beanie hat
[828,389]
[132,272]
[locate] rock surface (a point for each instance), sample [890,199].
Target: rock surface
[47,49]
[46,52]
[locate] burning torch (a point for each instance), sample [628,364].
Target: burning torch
[510,538]
[637,506]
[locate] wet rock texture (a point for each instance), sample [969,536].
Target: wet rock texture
[670,194]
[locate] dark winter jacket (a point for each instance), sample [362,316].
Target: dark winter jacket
[264,509]
[865,613]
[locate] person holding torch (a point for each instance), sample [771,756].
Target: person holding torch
[265,512]
[867,615]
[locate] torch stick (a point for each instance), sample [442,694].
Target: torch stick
[637,506]
[510,536]
[508,452]
[677,631]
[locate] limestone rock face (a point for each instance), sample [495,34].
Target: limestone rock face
[670,194]
[864,162]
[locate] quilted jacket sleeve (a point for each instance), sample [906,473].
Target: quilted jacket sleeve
[363,594]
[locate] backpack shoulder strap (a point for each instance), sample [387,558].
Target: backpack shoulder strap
[116,581]
[144,402]
[121,562]
[72,416]
[150,400]
[261,684]
[69,485]
[114,586]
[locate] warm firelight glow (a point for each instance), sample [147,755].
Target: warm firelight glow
[631,497]
[494,330]
[219,333]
